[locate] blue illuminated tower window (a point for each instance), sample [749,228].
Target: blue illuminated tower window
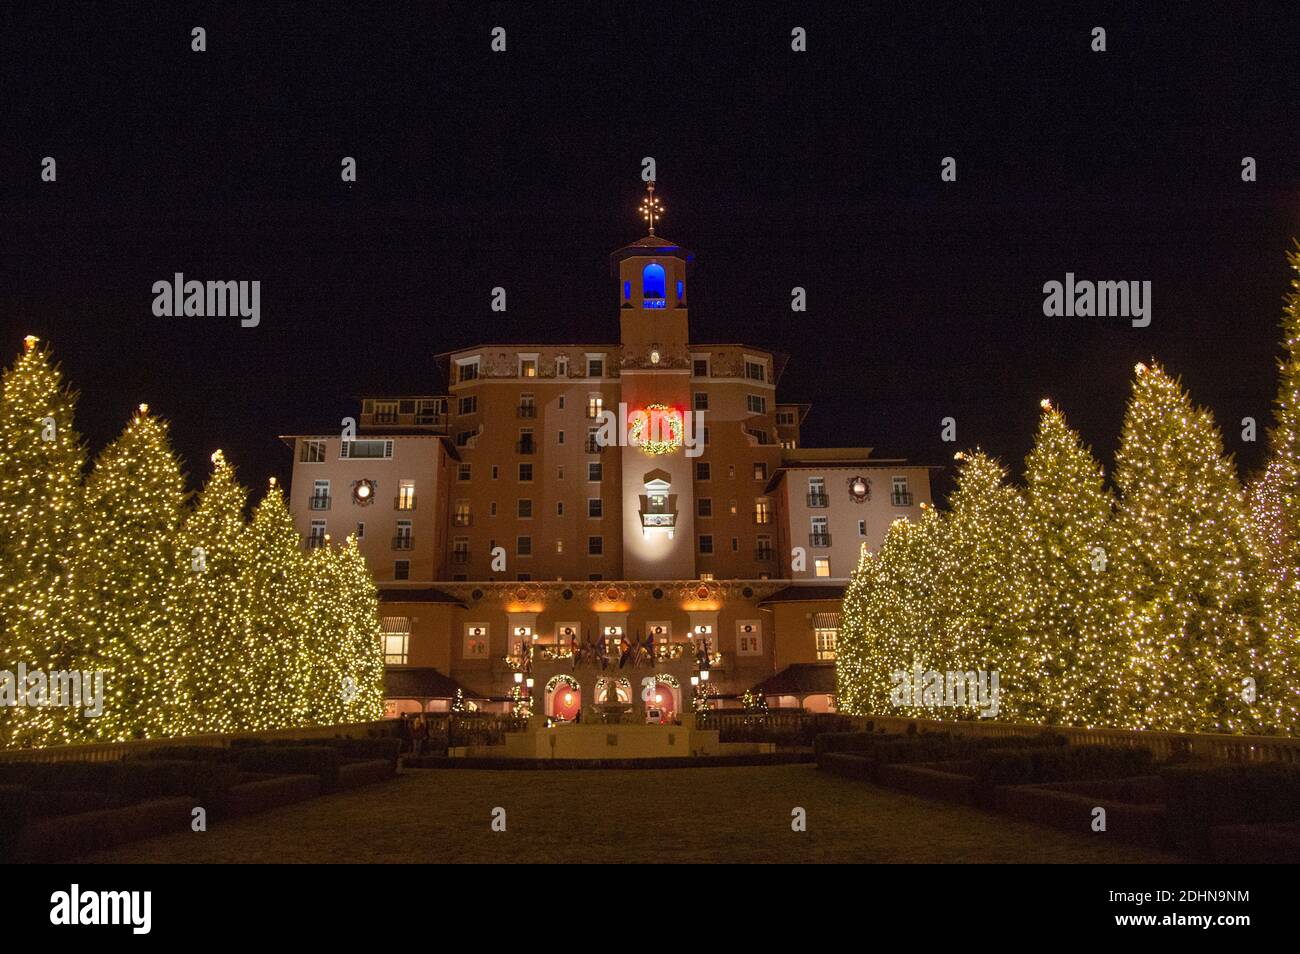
[627,291]
[652,286]
[679,291]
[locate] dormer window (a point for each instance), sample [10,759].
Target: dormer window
[653,284]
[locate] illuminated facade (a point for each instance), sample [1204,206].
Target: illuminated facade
[552,495]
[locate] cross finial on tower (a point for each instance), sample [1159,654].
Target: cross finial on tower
[651,210]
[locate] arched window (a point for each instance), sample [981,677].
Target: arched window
[652,286]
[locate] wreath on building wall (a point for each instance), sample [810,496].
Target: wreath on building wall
[556,681]
[363,493]
[859,489]
[641,422]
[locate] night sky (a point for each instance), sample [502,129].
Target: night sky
[522,169]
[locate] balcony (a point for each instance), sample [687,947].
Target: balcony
[402,542]
[819,539]
[528,411]
[459,556]
[430,418]
[319,502]
[315,540]
[592,446]
[384,417]
[526,446]
[819,500]
[404,503]
[901,498]
[462,520]
[659,520]
[765,554]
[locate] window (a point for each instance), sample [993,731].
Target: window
[701,400]
[756,403]
[466,438]
[822,566]
[463,472]
[594,473]
[817,492]
[593,441]
[862,528]
[525,509]
[760,470]
[560,439]
[528,365]
[762,510]
[523,546]
[525,473]
[701,470]
[559,472]
[316,537]
[385,412]
[706,544]
[595,546]
[704,507]
[754,370]
[826,630]
[820,535]
[700,367]
[492,509]
[365,450]
[406,495]
[706,435]
[595,366]
[461,517]
[527,405]
[397,637]
[468,369]
[901,496]
[401,569]
[595,404]
[403,539]
[559,509]
[785,418]
[562,371]
[749,637]
[312,452]
[361,531]
[495,471]
[652,286]
[559,545]
[595,507]
[764,549]
[561,402]
[320,495]
[427,412]
[476,640]
[406,406]
[526,445]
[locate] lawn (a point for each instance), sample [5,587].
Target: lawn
[679,815]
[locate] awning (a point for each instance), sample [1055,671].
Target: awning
[826,621]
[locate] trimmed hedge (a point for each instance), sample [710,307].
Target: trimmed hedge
[184,753]
[1031,766]
[15,810]
[262,794]
[208,783]
[68,837]
[319,760]
[1201,797]
[59,776]
[356,774]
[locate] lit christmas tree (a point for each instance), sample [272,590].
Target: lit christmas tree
[126,573]
[1187,578]
[1284,437]
[1070,667]
[212,608]
[41,526]
[984,591]
[361,643]
[274,583]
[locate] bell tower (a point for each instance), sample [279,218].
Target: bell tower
[655,375]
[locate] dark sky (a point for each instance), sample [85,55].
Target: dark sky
[521,169]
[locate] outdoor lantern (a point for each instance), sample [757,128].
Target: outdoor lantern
[704,675]
[519,677]
[529,682]
[568,698]
[695,680]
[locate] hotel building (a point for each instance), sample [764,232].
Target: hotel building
[512,524]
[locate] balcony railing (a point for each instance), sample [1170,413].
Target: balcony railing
[593,447]
[819,500]
[658,519]
[526,410]
[319,502]
[459,556]
[526,446]
[404,503]
[387,417]
[462,520]
[402,543]
[819,539]
[765,554]
[901,498]
[314,541]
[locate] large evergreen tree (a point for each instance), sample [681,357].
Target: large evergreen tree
[211,607]
[1070,666]
[127,572]
[1190,598]
[41,525]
